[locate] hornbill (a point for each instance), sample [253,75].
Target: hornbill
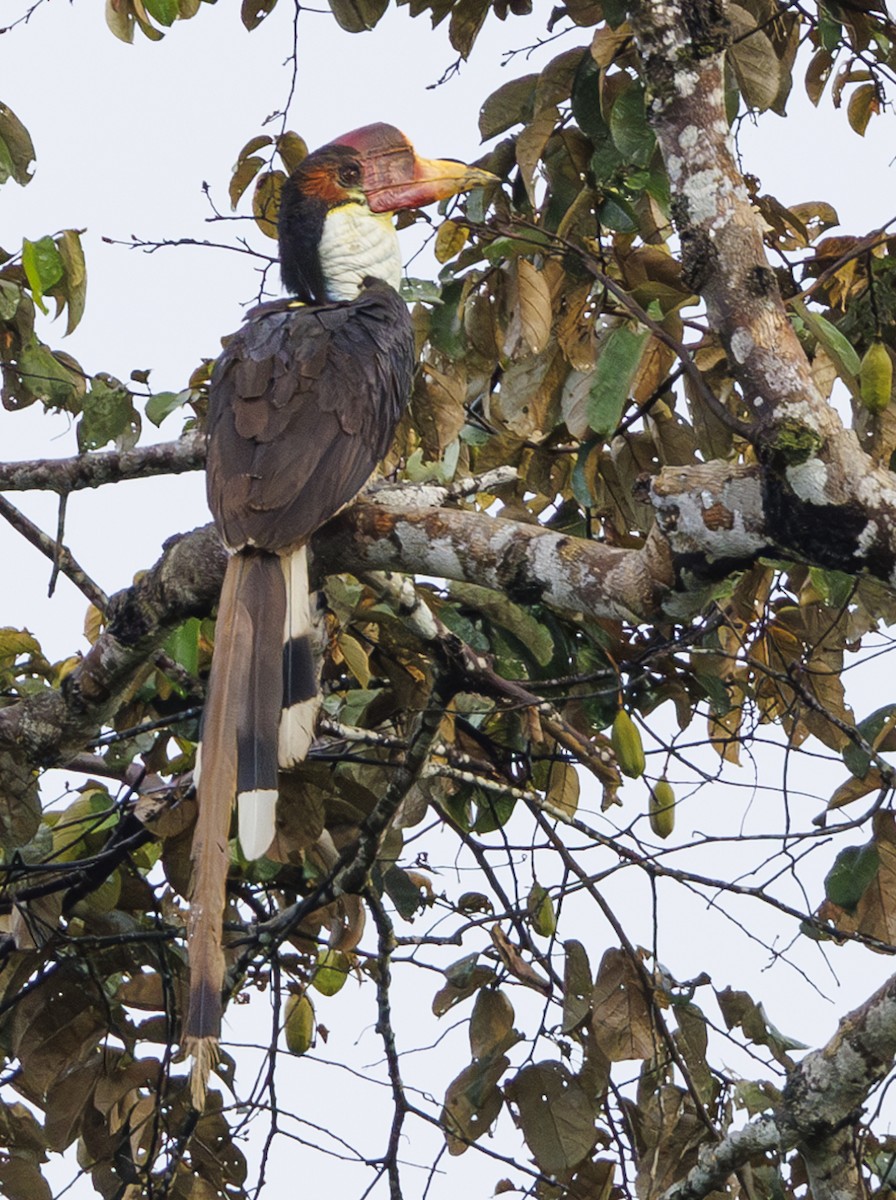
[303,404]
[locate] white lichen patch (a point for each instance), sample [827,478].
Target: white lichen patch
[741,344]
[689,137]
[707,195]
[808,481]
[686,83]
[866,539]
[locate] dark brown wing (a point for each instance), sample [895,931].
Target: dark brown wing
[304,402]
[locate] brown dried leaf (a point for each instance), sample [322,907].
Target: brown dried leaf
[621,1014]
[516,964]
[530,144]
[536,313]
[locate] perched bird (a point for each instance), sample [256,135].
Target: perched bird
[303,404]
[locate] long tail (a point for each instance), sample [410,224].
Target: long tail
[239,758]
[300,690]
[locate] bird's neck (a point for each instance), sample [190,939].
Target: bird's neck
[354,244]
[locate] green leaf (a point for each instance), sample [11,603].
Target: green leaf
[613,374]
[835,586]
[183,645]
[45,376]
[107,415]
[43,267]
[162,404]
[165,12]
[830,31]
[633,137]
[18,144]
[857,761]
[616,213]
[838,348]
[853,872]
[513,617]
[10,295]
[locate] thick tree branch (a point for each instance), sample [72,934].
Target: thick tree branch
[822,1102]
[570,573]
[66,475]
[823,497]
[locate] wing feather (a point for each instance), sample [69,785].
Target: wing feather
[304,404]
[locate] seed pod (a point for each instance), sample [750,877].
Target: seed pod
[331,971]
[876,377]
[627,745]
[661,808]
[299,1026]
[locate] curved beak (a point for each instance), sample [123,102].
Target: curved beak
[394,177]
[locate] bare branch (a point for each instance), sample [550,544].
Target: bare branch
[66,475]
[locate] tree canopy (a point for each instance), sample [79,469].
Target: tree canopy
[586,728]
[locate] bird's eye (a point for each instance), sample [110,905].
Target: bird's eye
[350,175]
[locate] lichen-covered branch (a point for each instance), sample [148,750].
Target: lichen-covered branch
[822,495]
[822,1101]
[66,475]
[573,574]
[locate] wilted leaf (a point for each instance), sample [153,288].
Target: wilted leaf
[563,788]
[467,18]
[253,12]
[536,313]
[450,240]
[491,1023]
[556,1116]
[472,1103]
[357,16]
[620,1011]
[107,415]
[739,1009]
[72,255]
[510,105]
[577,985]
[19,147]
[863,104]
[244,172]
[464,978]
[753,58]
[516,964]
[45,376]
[266,201]
[531,143]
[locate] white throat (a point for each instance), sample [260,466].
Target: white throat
[356,243]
